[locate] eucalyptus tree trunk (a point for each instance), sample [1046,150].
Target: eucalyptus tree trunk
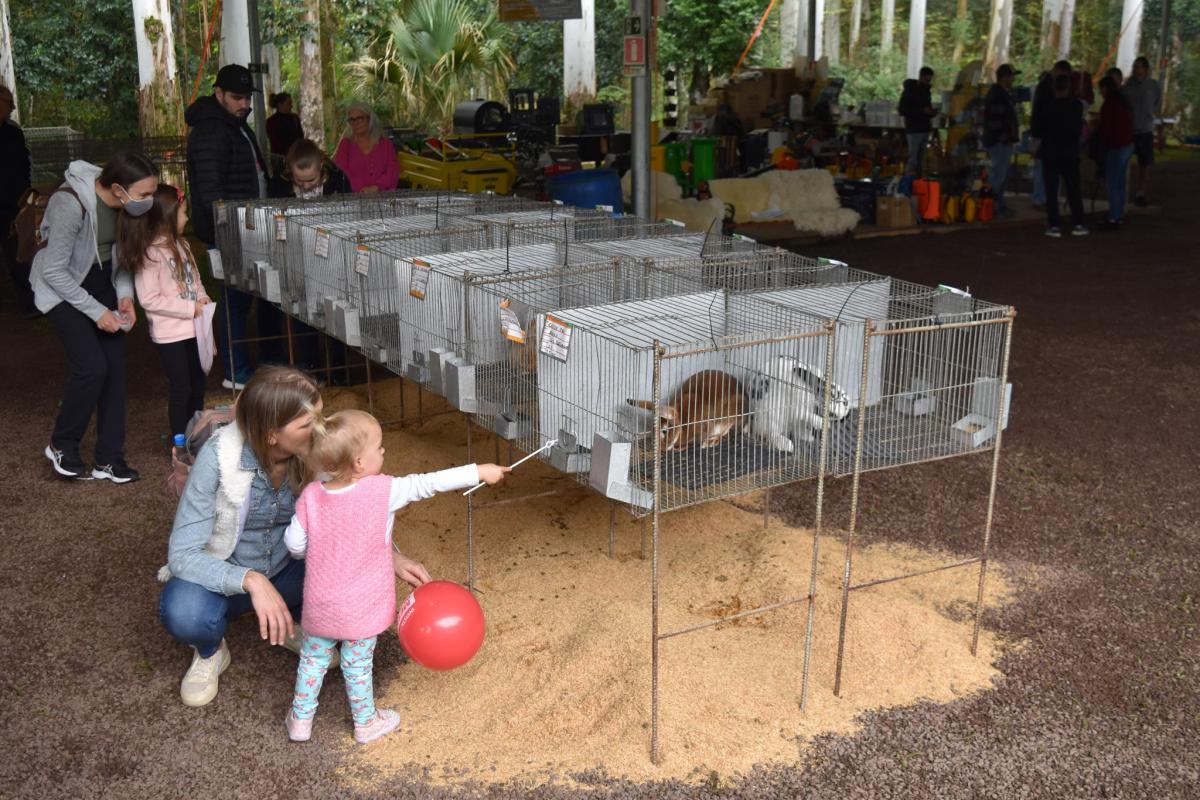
[311,98]
[999,32]
[7,76]
[329,90]
[1056,29]
[159,112]
[856,12]
[789,29]
[579,56]
[960,35]
[833,31]
[916,38]
[887,25]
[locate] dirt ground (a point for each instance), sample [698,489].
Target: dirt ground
[1096,521]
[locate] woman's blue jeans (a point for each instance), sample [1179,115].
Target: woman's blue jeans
[196,616]
[1116,174]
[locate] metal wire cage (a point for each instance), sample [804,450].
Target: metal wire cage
[251,235]
[343,268]
[423,295]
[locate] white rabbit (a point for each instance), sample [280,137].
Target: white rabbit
[785,403]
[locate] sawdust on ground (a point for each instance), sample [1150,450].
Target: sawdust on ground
[562,685]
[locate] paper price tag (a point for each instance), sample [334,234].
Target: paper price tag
[280,228]
[418,278]
[556,338]
[214,263]
[321,250]
[510,324]
[362,259]
[675,222]
[222,216]
[249,217]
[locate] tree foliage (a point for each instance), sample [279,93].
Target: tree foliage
[76,64]
[436,54]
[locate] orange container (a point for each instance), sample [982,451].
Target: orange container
[929,198]
[987,209]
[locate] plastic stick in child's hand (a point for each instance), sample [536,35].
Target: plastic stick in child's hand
[516,464]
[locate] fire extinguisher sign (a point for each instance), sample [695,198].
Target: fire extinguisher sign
[634,63]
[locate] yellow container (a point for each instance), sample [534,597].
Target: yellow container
[658,158]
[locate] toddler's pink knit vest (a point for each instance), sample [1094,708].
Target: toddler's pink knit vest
[349,580]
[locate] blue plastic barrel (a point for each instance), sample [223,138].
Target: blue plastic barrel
[588,188]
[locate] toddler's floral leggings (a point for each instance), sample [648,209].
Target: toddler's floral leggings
[357,660]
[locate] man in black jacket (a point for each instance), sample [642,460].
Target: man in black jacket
[1000,132]
[15,177]
[224,163]
[916,106]
[1059,124]
[1042,93]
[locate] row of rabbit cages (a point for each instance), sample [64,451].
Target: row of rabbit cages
[733,356]
[336,272]
[251,234]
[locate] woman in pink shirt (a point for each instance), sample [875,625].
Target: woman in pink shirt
[169,289]
[367,156]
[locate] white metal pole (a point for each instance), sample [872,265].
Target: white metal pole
[1131,34]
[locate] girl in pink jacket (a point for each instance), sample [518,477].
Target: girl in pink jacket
[169,289]
[343,530]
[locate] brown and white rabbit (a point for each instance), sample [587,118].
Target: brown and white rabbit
[706,407]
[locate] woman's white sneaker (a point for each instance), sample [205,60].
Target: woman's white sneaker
[199,685]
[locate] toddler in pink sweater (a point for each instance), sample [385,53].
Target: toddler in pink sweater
[343,530]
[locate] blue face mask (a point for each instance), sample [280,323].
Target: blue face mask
[135,208]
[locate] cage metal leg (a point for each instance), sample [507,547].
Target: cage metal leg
[612,529]
[470,521]
[291,343]
[230,374]
[654,638]
[818,522]
[991,506]
[868,329]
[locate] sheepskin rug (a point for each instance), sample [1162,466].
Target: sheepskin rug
[806,197]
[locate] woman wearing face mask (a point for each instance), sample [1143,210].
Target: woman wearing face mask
[306,175]
[88,298]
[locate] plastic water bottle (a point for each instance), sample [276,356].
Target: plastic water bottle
[180,449]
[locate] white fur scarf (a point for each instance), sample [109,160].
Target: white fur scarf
[233,490]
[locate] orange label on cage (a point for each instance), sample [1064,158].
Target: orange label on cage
[321,250]
[418,278]
[280,228]
[221,215]
[556,338]
[362,259]
[249,217]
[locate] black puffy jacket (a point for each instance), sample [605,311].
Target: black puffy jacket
[221,151]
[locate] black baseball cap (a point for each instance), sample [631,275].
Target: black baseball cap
[235,78]
[1004,70]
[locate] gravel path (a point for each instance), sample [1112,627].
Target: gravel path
[1097,511]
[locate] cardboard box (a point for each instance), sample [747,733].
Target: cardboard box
[894,212]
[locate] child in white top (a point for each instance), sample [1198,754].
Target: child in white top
[343,530]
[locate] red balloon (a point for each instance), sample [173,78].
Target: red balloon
[441,625]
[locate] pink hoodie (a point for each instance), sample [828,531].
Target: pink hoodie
[170,304]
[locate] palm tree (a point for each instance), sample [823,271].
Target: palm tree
[434,54]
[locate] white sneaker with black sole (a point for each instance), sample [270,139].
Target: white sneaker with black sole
[66,465]
[117,472]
